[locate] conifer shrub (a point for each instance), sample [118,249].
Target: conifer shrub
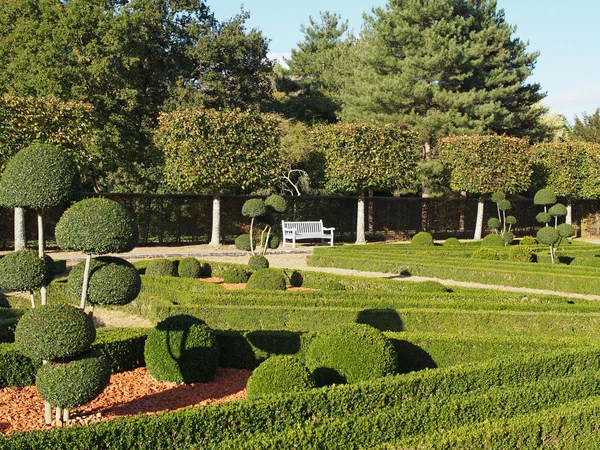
[162,267]
[422,238]
[452,242]
[492,240]
[22,270]
[235,275]
[278,375]
[53,332]
[242,242]
[266,280]
[189,268]
[112,281]
[257,262]
[182,349]
[528,240]
[76,382]
[349,353]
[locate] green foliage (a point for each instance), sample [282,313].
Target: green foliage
[504,205]
[498,196]
[15,368]
[566,230]
[182,349]
[488,253]
[296,279]
[257,262]
[492,240]
[332,285]
[162,267]
[253,208]
[588,127]
[38,177]
[242,242]
[74,383]
[123,346]
[279,374]
[189,268]
[453,242]
[544,197]
[422,238]
[267,280]
[493,223]
[276,202]
[511,220]
[547,236]
[97,226]
[528,240]
[543,217]
[22,271]
[235,275]
[53,332]
[558,210]
[350,353]
[273,241]
[112,281]
[508,237]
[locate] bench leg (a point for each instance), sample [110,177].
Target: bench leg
[294,242]
[331,241]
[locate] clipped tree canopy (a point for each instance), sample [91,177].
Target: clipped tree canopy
[548,236]
[277,202]
[566,230]
[544,197]
[558,210]
[255,207]
[97,226]
[21,271]
[39,176]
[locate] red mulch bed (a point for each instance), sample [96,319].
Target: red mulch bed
[128,394]
[236,286]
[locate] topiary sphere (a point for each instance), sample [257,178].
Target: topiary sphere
[97,226]
[452,242]
[544,197]
[273,241]
[162,267]
[52,332]
[76,382]
[492,240]
[189,268]
[296,279]
[511,220]
[548,236]
[39,176]
[504,205]
[498,196]
[21,271]
[113,281]
[558,210]
[493,223]
[508,237]
[257,262]
[543,217]
[566,230]
[235,275]
[423,238]
[278,375]
[266,280]
[242,242]
[350,353]
[182,349]
[277,202]
[255,207]
[527,240]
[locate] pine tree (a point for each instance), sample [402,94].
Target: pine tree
[588,127]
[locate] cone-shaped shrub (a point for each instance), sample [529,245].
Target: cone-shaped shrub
[162,268]
[492,240]
[544,197]
[278,375]
[266,280]
[21,271]
[235,275]
[182,349]
[242,242]
[350,353]
[423,238]
[257,262]
[189,268]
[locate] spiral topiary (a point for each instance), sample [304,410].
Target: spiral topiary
[423,238]
[53,332]
[547,236]
[242,242]
[257,262]
[182,349]
[493,223]
[508,237]
[112,281]
[504,205]
[22,271]
[277,202]
[543,217]
[255,207]
[279,374]
[558,210]
[189,268]
[544,197]
[266,280]
[296,279]
[492,240]
[97,226]
[162,267]
[235,275]
[350,353]
[76,382]
[452,242]
[566,230]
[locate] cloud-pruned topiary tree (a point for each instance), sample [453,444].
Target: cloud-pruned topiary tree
[96,226]
[268,212]
[40,176]
[552,235]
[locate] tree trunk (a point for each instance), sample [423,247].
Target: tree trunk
[569,218]
[20,241]
[371,209]
[360,219]
[479,223]
[461,218]
[41,246]
[425,192]
[86,280]
[215,239]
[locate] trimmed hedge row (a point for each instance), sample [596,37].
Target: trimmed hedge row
[208,426]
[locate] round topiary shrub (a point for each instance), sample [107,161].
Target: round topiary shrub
[22,270]
[423,238]
[50,269]
[273,241]
[493,223]
[112,281]
[277,202]
[242,242]
[162,268]
[566,230]
[97,226]
[558,210]
[544,197]
[528,240]
[508,237]
[182,349]
[296,279]
[76,382]
[548,236]
[543,217]
[255,207]
[266,280]
[511,220]
[52,332]
[504,205]
[278,375]
[39,176]
[189,268]
[235,275]
[520,253]
[492,240]
[452,242]
[257,262]
[350,353]
[498,196]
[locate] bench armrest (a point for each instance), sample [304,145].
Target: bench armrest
[328,229]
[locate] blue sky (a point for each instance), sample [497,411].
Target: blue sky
[566,33]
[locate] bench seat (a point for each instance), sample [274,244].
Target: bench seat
[293,231]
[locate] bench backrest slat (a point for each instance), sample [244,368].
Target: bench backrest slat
[304,227]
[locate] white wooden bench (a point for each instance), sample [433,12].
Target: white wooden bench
[293,231]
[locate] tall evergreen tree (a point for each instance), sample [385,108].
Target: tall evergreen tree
[588,127]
